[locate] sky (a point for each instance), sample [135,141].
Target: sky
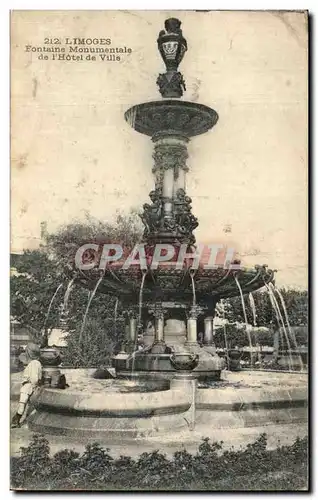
[72,152]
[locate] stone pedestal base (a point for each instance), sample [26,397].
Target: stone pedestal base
[129,346]
[158,365]
[155,360]
[175,332]
[50,375]
[158,348]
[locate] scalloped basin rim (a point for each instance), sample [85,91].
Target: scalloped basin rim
[126,282]
[171,116]
[136,271]
[174,103]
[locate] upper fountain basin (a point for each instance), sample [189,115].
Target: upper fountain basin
[171,117]
[173,284]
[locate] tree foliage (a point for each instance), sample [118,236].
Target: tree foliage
[32,289]
[296,302]
[39,273]
[63,245]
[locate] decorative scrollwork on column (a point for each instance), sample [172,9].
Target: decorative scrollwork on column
[157,311]
[194,312]
[130,313]
[170,156]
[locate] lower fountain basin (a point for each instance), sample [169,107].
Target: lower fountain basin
[90,409]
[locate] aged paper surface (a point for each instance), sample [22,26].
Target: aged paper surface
[74,74]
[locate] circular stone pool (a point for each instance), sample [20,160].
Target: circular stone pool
[134,410]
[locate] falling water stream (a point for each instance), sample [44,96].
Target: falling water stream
[245,319]
[279,318]
[224,331]
[292,337]
[290,331]
[115,317]
[67,295]
[253,308]
[144,274]
[50,306]
[91,296]
[194,301]
[280,330]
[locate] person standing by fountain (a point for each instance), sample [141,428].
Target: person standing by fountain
[32,378]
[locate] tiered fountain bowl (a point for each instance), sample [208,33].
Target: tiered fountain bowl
[170,284]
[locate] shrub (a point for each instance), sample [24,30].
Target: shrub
[33,463]
[211,468]
[93,348]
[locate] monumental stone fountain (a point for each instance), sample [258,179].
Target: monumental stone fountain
[175,299]
[172,384]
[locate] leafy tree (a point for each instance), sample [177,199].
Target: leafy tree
[297,306]
[296,302]
[235,336]
[93,348]
[63,245]
[39,273]
[32,289]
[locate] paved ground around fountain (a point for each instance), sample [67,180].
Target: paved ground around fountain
[232,382]
[235,438]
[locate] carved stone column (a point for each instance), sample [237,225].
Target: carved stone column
[170,157]
[159,346]
[192,325]
[132,326]
[159,324]
[181,179]
[208,331]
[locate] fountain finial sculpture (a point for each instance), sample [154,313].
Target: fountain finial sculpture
[172,47]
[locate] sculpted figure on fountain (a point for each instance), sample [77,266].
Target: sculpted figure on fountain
[152,214]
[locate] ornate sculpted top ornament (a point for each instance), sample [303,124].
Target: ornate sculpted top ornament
[172,47]
[171,85]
